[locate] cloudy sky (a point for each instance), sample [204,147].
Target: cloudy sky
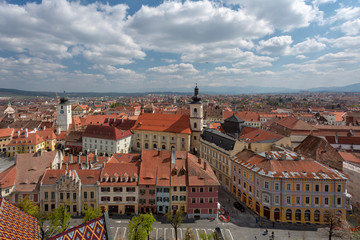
[129,46]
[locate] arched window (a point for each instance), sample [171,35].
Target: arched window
[298,215]
[326,216]
[172,147]
[288,214]
[277,214]
[146,145]
[154,146]
[195,125]
[163,147]
[317,216]
[307,215]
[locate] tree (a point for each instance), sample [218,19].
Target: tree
[91,213]
[204,236]
[175,220]
[28,206]
[147,222]
[338,228]
[189,234]
[60,219]
[135,231]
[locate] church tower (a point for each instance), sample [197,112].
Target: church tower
[196,121]
[64,118]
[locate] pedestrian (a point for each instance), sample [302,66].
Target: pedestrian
[289,234]
[255,238]
[272,235]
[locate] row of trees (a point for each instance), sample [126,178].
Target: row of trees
[55,222]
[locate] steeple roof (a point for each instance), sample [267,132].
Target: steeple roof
[196,99]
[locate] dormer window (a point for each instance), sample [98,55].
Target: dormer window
[104,179]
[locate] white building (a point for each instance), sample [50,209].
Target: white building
[106,139]
[64,116]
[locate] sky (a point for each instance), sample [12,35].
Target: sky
[150,45]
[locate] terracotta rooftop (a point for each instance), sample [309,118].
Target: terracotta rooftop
[247,116]
[163,123]
[289,167]
[198,175]
[105,132]
[119,170]
[294,124]
[8,177]
[31,139]
[6,132]
[252,135]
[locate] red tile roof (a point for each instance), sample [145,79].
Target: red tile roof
[163,123]
[294,124]
[105,132]
[350,157]
[86,176]
[6,132]
[252,135]
[197,175]
[8,177]
[244,115]
[32,139]
[118,170]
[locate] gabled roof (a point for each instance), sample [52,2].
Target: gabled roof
[98,228]
[31,139]
[113,169]
[163,123]
[8,177]
[295,124]
[198,174]
[6,132]
[256,135]
[105,132]
[247,116]
[15,224]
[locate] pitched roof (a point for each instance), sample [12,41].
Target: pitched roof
[8,177]
[86,176]
[198,175]
[295,124]
[220,139]
[98,228]
[6,132]
[163,123]
[119,169]
[252,135]
[350,157]
[15,224]
[247,116]
[30,168]
[290,168]
[105,132]
[31,139]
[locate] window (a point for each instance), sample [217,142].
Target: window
[74,208]
[339,188]
[174,189]
[338,200]
[105,189]
[277,186]
[195,125]
[201,189]
[307,187]
[182,189]
[158,190]
[52,195]
[326,201]
[74,196]
[175,198]
[130,189]
[46,207]
[130,199]
[92,195]
[166,190]
[117,189]
[316,201]
[244,185]
[85,195]
[317,188]
[250,188]
[193,200]
[201,200]
[298,187]
[68,196]
[210,189]
[105,199]
[61,196]
[46,195]
[277,199]
[326,188]
[146,146]
[117,199]
[298,200]
[182,198]
[210,200]
[288,186]
[307,200]
[266,185]
[266,199]
[288,200]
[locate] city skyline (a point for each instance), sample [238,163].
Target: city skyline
[134,46]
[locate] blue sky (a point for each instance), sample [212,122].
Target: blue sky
[131,46]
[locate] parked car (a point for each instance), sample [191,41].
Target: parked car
[239,206]
[217,234]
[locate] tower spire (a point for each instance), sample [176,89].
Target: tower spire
[195,98]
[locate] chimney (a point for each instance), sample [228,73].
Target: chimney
[205,165]
[95,153]
[199,160]
[18,132]
[95,158]
[66,166]
[122,120]
[26,133]
[58,131]
[79,159]
[44,128]
[35,129]
[70,158]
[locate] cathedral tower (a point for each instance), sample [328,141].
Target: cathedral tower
[196,120]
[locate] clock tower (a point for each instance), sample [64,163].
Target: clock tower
[64,118]
[196,120]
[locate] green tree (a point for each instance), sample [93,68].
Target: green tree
[147,222]
[91,213]
[135,231]
[28,206]
[59,219]
[189,234]
[175,220]
[204,236]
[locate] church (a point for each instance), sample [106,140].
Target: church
[170,132]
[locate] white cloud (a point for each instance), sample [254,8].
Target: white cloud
[185,27]
[345,13]
[276,45]
[225,70]
[65,29]
[346,42]
[319,2]
[351,27]
[285,15]
[309,45]
[182,68]
[301,57]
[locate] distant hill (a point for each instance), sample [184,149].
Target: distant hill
[232,90]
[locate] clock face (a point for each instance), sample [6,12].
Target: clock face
[61,111]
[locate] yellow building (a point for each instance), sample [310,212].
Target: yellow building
[5,138]
[286,187]
[178,189]
[25,142]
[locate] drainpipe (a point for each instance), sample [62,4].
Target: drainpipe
[281,200]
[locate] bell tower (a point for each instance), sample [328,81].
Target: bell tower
[64,117]
[196,120]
